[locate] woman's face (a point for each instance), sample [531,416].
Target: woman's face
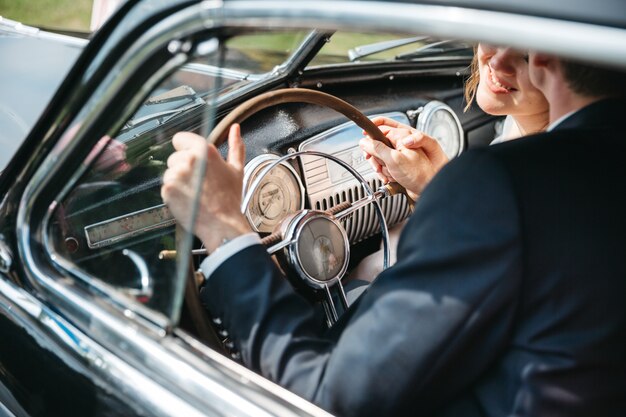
[504,87]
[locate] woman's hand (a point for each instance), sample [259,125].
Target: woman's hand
[414,160]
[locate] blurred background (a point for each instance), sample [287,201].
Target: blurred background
[63,15]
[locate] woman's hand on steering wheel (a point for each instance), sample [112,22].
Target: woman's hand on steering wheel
[413,159]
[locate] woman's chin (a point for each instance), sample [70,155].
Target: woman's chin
[491,105]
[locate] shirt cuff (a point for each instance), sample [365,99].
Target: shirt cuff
[222,253]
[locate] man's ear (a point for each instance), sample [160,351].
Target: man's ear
[541,66]
[541,60]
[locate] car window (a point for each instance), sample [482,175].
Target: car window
[112,225]
[111,228]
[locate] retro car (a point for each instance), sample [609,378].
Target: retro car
[99,313]
[26,89]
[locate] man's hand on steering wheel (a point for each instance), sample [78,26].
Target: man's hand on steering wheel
[219,216]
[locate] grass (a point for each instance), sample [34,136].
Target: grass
[53,14]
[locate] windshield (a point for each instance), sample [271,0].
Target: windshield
[247,59]
[347,47]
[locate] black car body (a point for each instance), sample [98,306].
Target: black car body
[92,322]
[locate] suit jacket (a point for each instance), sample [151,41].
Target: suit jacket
[508,297]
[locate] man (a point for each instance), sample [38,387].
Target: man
[508,294]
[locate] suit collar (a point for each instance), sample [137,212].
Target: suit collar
[600,114]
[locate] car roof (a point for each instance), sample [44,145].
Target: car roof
[601,12]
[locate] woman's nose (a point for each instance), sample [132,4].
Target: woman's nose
[502,61]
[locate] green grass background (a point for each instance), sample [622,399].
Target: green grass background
[54,14]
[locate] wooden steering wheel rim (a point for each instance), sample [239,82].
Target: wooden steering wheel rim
[294,95]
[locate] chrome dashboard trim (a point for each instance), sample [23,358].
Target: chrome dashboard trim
[321,143]
[168,221]
[323,192]
[429,109]
[364,185]
[255,164]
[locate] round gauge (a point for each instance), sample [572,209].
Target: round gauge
[279,193]
[322,249]
[439,121]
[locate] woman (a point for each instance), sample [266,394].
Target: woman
[500,84]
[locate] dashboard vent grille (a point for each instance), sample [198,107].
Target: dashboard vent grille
[364,223]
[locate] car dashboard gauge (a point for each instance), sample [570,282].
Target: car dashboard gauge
[439,121]
[278,194]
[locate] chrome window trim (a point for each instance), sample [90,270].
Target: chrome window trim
[293,62]
[298,56]
[212,70]
[197,352]
[107,291]
[149,42]
[113,370]
[215,394]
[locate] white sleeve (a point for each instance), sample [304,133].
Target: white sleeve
[221,254]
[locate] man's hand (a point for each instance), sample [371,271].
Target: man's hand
[219,216]
[414,160]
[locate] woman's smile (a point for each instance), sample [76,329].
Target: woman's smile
[496,84]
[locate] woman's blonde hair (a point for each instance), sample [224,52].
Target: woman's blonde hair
[471,84]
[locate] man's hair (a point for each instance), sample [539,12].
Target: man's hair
[594,81]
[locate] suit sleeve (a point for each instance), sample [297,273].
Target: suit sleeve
[425,329]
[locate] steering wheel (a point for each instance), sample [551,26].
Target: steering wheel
[312,245]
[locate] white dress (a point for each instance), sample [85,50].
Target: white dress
[509,131]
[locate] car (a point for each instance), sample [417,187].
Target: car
[99,309]
[26,87]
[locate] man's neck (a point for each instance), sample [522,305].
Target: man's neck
[563,101]
[533,123]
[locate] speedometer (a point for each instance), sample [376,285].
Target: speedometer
[129,225]
[280,193]
[439,121]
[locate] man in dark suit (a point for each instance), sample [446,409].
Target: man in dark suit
[508,297]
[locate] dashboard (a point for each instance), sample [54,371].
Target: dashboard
[324,184]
